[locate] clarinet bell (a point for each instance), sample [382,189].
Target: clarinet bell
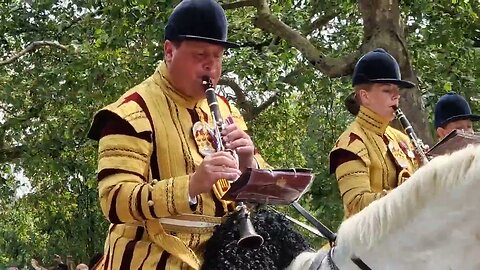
[248,237]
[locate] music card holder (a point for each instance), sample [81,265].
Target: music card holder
[264,186]
[455,140]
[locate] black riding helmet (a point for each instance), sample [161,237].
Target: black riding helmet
[452,107]
[202,20]
[376,66]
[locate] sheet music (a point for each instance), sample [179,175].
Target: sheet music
[454,141]
[278,186]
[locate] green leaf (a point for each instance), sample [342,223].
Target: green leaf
[447,86]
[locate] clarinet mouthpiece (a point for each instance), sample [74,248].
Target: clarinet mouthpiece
[206,80]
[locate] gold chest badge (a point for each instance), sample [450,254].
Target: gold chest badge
[204,138]
[407,150]
[398,155]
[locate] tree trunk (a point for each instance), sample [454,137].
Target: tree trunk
[383,27]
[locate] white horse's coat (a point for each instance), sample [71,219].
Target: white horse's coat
[432,221]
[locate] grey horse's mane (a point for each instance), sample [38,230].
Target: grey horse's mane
[429,222]
[392,212]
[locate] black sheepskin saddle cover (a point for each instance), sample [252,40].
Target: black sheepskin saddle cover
[282,244]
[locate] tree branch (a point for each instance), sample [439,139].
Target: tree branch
[292,76]
[78,19]
[32,47]
[257,110]
[12,153]
[250,111]
[239,94]
[332,67]
[290,79]
[258,46]
[239,4]
[320,22]
[235,87]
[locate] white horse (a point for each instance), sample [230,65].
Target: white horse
[432,221]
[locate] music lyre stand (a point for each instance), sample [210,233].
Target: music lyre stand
[278,187]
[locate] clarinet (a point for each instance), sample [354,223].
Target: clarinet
[417,143]
[248,237]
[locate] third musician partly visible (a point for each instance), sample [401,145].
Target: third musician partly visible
[371,158]
[453,112]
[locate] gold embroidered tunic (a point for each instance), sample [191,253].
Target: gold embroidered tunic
[369,159]
[147,152]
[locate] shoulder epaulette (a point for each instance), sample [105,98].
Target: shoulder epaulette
[352,142]
[127,108]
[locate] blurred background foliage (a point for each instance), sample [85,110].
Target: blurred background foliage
[48,197]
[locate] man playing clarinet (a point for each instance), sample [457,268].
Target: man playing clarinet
[157,168]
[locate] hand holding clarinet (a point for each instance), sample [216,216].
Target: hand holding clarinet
[234,153]
[420,148]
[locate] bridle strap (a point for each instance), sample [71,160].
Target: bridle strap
[358,262]
[317,261]
[331,263]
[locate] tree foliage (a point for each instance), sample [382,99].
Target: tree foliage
[62,61]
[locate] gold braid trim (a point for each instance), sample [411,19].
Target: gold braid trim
[171,244]
[219,189]
[403,175]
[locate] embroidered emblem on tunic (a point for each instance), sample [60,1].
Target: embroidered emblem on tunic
[204,137]
[398,157]
[407,150]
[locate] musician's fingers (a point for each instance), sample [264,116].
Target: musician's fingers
[228,128]
[221,155]
[228,176]
[219,172]
[226,170]
[427,147]
[233,133]
[225,160]
[240,143]
[245,150]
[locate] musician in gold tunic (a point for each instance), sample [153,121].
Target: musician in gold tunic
[370,158]
[157,166]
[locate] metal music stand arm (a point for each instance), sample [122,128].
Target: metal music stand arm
[309,228]
[326,232]
[331,236]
